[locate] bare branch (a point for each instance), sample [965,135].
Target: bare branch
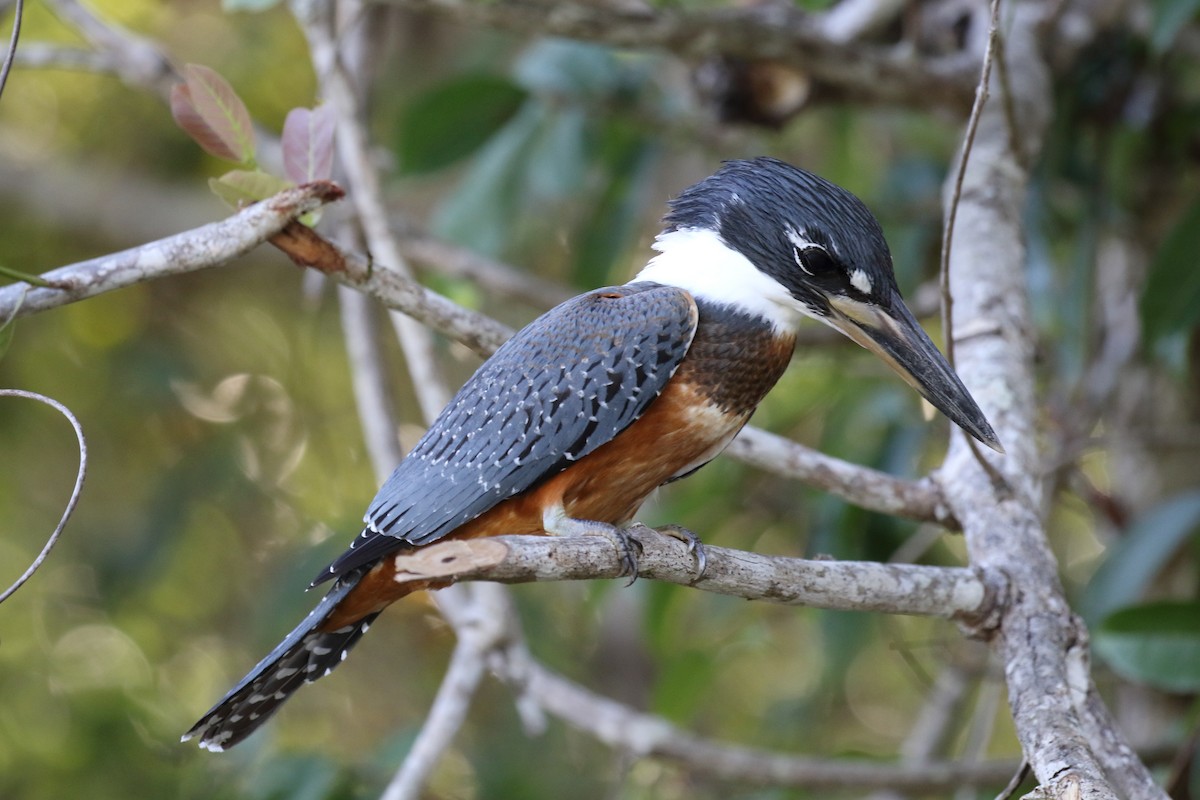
[135,59]
[863,486]
[316,18]
[10,52]
[43,55]
[648,736]
[493,276]
[853,19]
[774,31]
[1042,645]
[207,246]
[446,717]
[948,592]
[370,387]
[70,509]
[540,690]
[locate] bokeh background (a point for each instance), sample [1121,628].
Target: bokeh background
[227,464]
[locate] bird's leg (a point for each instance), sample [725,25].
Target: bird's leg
[556,521]
[694,545]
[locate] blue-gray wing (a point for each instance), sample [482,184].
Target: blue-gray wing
[563,386]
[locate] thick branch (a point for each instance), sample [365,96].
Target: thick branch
[207,246]
[1042,645]
[949,592]
[860,72]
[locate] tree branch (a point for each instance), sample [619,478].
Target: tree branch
[136,60]
[207,246]
[947,592]
[776,31]
[878,491]
[316,17]
[446,716]
[1042,645]
[647,736]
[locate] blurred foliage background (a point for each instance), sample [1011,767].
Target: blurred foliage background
[227,463]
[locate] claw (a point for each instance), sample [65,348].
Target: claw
[630,549]
[556,521]
[694,546]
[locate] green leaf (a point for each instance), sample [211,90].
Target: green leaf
[211,112]
[1157,644]
[239,187]
[605,233]
[455,119]
[575,70]
[562,147]
[1171,298]
[480,214]
[1133,562]
[1169,18]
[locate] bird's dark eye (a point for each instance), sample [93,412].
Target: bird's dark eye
[815,260]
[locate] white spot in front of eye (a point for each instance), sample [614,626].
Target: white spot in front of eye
[798,239]
[861,281]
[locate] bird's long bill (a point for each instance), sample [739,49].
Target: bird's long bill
[895,336]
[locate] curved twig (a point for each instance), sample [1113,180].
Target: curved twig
[9,56]
[70,509]
[982,93]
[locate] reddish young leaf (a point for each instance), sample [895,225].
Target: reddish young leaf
[187,117]
[222,111]
[308,144]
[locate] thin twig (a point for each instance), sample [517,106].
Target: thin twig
[75,492]
[979,731]
[11,53]
[982,93]
[1015,782]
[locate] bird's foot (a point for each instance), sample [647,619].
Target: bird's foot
[694,546]
[628,548]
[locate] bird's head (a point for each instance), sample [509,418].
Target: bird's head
[780,243]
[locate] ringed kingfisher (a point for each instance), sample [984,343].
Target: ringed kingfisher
[582,414]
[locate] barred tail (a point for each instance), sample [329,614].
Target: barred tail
[305,655]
